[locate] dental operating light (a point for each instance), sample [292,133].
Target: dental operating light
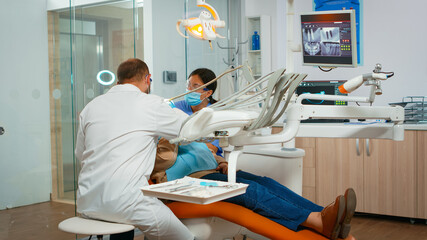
[202,27]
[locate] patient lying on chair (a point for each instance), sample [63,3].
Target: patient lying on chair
[264,195]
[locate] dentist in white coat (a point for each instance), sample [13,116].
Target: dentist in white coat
[116,146]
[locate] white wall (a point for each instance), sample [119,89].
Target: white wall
[168,51]
[270,8]
[392,35]
[25,175]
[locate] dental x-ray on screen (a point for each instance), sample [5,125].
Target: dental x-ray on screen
[329,38]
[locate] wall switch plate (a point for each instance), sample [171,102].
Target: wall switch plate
[169,77]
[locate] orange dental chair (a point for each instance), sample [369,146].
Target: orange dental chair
[244,217]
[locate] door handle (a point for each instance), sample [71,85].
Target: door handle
[1,130]
[357,147]
[368,152]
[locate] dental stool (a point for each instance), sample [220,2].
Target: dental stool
[84,226]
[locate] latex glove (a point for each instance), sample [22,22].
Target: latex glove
[170,102]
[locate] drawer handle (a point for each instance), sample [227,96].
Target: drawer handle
[368,152]
[357,147]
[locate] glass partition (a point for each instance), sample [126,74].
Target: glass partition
[88,43]
[49,79]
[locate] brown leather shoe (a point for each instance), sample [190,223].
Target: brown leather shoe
[350,208]
[332,216]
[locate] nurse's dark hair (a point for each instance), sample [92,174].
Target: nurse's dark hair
[131,70]
[206,75]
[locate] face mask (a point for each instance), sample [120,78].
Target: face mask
[193,99]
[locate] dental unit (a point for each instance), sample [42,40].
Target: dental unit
[228,121]
[236,121]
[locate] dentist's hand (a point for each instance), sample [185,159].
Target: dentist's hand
[170,102]
[223,167]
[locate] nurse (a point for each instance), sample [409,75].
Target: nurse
[264,195]
[200,99]
[116,146]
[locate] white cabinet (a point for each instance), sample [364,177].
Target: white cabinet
[259,60]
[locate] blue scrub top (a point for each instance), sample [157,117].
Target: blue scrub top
[183,105]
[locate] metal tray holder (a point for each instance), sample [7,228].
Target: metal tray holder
[415,109]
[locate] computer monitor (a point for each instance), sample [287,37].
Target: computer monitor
[321,87]
[329,38]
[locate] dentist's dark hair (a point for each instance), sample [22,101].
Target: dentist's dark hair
[206,75]
[131,70]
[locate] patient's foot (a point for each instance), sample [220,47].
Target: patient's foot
[350,208]
[332,216]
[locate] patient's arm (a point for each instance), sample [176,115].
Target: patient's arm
[222,164]
[222,167]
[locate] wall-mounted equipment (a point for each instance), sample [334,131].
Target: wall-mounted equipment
[169,77]
[329,38]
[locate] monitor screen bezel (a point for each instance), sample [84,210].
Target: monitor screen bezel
[353,39]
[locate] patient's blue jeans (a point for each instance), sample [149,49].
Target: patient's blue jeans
[270,199]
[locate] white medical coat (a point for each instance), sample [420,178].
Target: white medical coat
[116,146]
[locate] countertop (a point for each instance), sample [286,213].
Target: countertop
[422,127]
[357,130]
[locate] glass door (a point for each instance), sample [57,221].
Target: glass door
[88,43]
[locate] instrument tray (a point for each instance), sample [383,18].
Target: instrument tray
[194,190]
